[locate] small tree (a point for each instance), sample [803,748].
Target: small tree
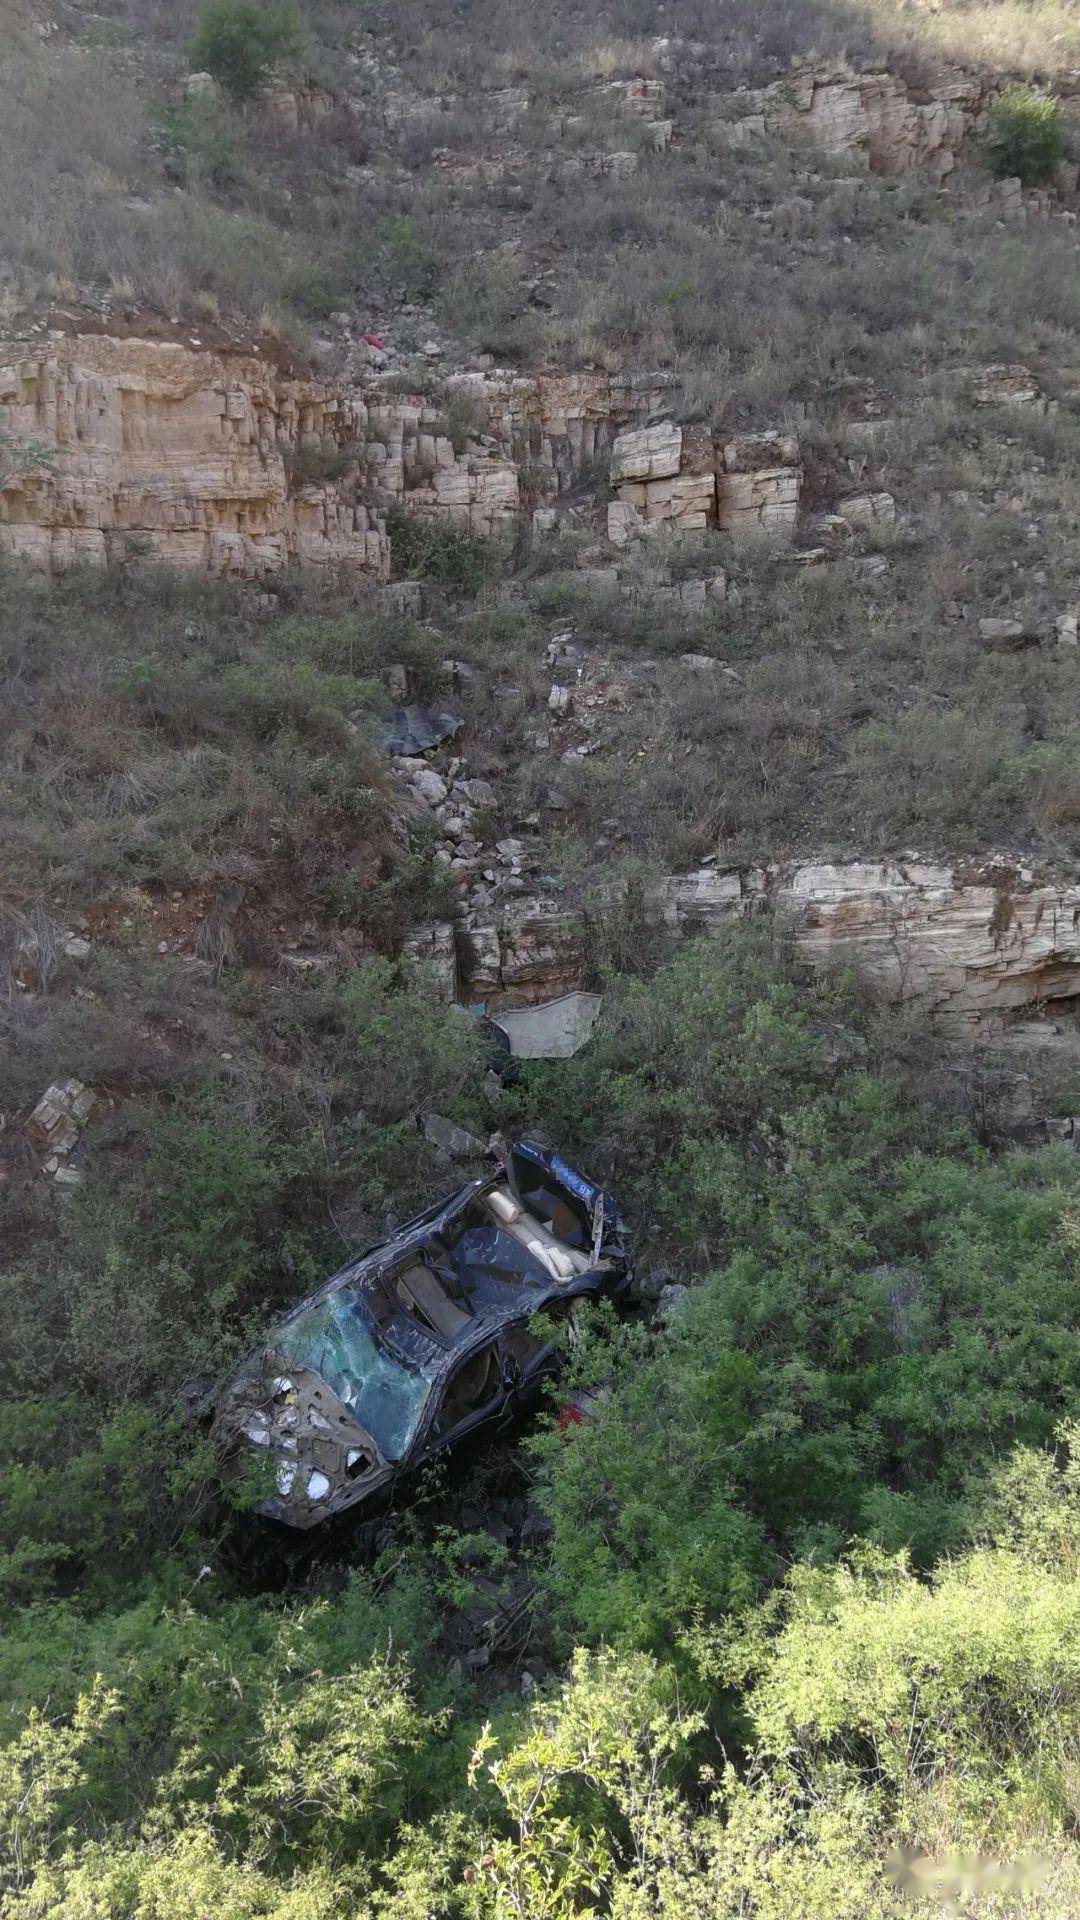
[20,459]
[241,42]
[1026,134]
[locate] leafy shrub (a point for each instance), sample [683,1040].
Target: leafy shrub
[317,288]
[29,458]
[241,42]
[457,562]
[837,1373]
[1026,134]
[411,1050]
[320,463]
[196,142]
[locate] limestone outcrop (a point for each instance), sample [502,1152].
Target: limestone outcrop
[219,462]
[180,454]
[666,475]
[974,946]
[875,117]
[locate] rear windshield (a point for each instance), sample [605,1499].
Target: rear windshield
[552,1200]
[335,1341]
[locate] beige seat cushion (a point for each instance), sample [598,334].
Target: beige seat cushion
[421,1290]
[531,1232]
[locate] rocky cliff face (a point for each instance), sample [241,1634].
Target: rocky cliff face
[220,462]
[217,462]
[973,945]
[875,117]
[154,448]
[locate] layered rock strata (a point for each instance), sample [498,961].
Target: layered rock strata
[129,447]
[877,118]
[112,449]
[119,448]
[665,475]
[975,946]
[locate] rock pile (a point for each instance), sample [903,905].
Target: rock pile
[55,1128]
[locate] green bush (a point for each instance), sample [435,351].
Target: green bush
[241,43]
[889,1306]
[196,142]
[1026,134]
[458,562]
[197,1754]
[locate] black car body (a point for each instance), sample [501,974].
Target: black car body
[425,1341]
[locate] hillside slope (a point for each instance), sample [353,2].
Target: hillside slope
[495,501]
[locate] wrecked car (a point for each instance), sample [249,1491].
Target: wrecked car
[424,1342]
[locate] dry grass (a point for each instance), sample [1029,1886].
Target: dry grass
[135,751]
[222,214]
[1010,36]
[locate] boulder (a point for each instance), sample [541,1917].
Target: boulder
[868,510]
[624,523]
[430,785]
[646,453]
[56,1124]
[1001,634]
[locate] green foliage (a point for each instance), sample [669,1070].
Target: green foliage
[433,550]
[39,1770]
[279,1760]
[203,745]
[196,141]
[230,1745]
[1025,135]
[962,1694]
[89,1500]
[25,458]
[648,1499]
[409,1052]
[143,1298]
[599,1757]
[880,1309]
[884,1314]
[487,302]
[242,42]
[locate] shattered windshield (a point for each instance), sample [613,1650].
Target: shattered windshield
[336,1342]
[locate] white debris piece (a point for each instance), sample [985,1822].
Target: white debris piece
[554,1031]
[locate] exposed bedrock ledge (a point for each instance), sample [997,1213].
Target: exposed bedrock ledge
[974,944]
[152,448]
[219,462]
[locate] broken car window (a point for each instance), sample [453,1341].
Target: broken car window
[335,1340]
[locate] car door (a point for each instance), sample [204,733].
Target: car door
[472,1398]
[526,1359]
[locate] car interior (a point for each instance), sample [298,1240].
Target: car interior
[437,1291]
